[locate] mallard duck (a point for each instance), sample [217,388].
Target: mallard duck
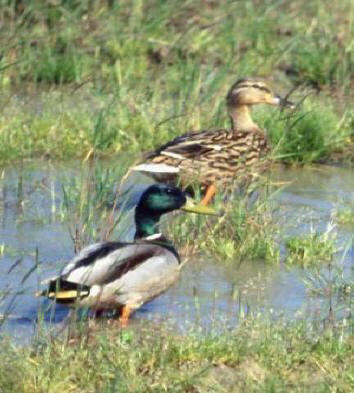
[123,276]
[215,158]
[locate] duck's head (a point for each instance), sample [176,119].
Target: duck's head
[251,91]
[159,199]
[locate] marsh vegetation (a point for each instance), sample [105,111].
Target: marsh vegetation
[118,75]
[265,301]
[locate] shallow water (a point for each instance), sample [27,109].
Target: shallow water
[210,294]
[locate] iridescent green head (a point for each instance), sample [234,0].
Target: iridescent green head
[157,200]
[160,199]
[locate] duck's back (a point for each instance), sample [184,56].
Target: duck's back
[102,263]
[123,273]
[213,156]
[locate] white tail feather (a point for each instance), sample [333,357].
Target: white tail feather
[48,280]
[156,168]
[173,155]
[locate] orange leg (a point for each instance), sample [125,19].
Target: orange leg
[126,311]
[211,190]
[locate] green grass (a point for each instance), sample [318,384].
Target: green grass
[310,134]
[145,72]
[137,34]
[344,216]
[89,203]
[258,356]
[244,231]
[311,249]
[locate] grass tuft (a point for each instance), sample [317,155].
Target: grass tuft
[309,135]
[245,231]
[311,249]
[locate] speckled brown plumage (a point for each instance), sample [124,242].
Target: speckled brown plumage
[210,157]
[216,158]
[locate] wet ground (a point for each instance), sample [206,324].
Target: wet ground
[35,244]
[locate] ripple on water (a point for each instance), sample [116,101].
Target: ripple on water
[207,294]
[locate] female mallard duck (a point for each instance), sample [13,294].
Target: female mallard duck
[215,158]
[123,276]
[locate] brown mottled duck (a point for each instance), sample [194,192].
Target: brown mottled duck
[215,158]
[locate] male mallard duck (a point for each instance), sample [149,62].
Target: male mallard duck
[123,276]
[215,158]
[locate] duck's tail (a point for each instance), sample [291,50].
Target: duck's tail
[64,292]
[156,168]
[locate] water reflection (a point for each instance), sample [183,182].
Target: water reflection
[207,293]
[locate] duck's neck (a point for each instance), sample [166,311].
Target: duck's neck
[146,223]
[241,118]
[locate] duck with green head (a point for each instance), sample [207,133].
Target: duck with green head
[125,275]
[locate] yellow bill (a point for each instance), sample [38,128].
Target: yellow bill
[193,207]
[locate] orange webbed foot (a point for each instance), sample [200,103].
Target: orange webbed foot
[124,317]
[209,195]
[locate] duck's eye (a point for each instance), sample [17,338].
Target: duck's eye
[169,191]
